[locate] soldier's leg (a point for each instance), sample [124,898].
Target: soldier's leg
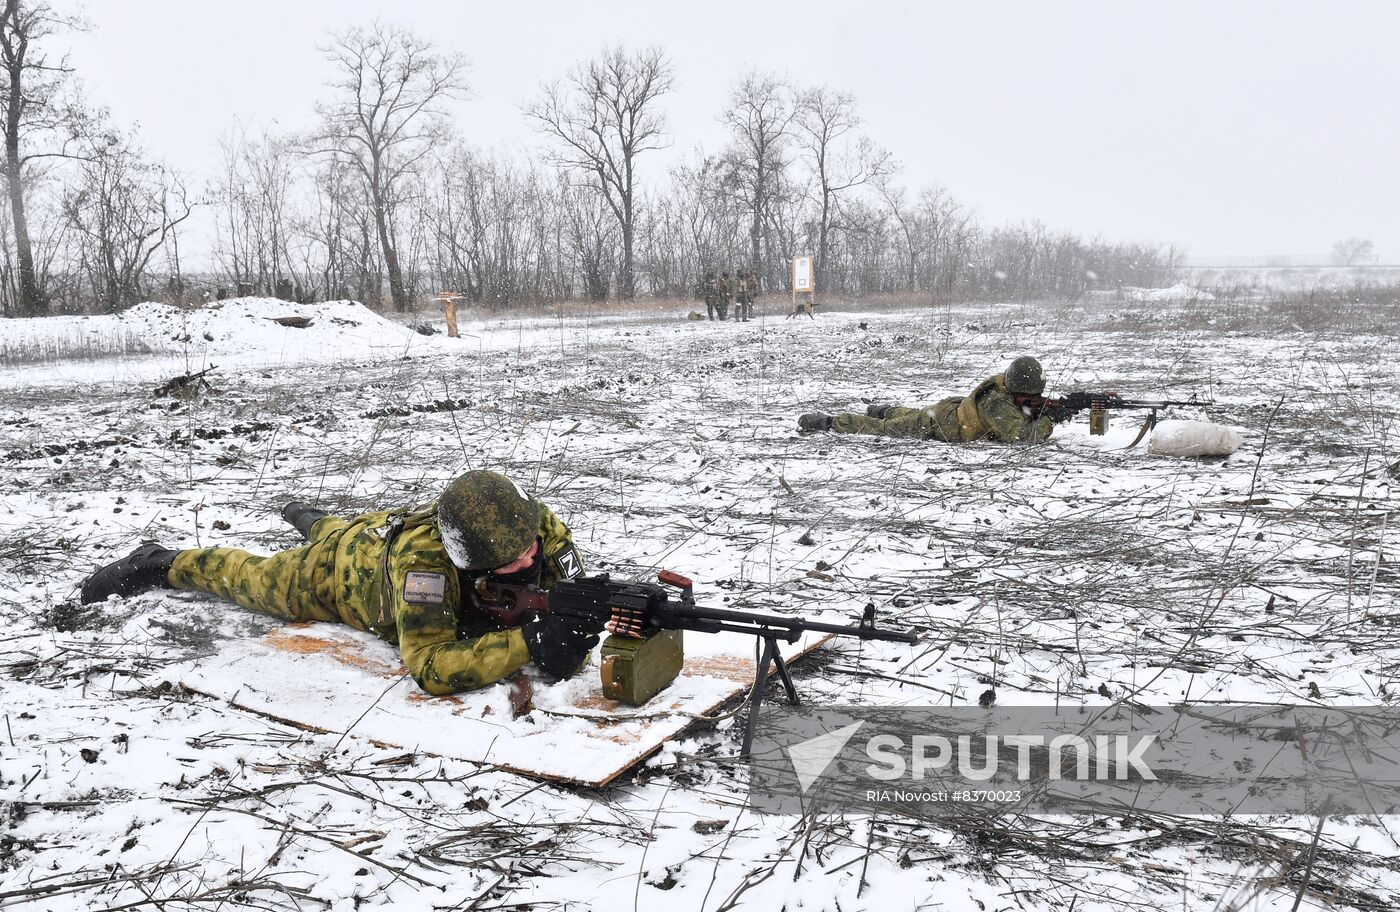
[945,420]
[899,422]
[273,585]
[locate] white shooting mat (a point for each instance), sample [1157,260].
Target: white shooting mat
[332,678]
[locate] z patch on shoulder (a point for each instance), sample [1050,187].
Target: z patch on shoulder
[424,588]
[568,563]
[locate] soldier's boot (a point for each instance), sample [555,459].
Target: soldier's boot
[302,517]
[710,309]
[141,570]
[814,421]
[879,410]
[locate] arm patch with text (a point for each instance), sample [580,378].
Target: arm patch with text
[424,588]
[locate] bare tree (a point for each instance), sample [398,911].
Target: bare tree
[950,230]
[390,87]
[1351,251]
[31,106]
[709,227]
[125,209]
[603,119]
[483,216]
[591,233]
[760,113]
[840,161]
[252,218]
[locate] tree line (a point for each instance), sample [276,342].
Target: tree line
[382,200]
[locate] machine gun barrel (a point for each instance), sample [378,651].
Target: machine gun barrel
[724,620]
[1111,401]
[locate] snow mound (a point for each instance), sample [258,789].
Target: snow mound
[265,326]
[1178,292]
[1193,438]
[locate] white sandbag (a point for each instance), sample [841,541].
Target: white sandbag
[1193,438]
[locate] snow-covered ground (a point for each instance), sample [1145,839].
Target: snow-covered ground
[1075,572]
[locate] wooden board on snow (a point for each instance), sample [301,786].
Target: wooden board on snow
[332,678]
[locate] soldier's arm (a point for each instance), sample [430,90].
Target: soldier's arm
[1009,423]
[561,556]
[426,593]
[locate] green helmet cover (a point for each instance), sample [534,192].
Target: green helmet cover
[486,520]
[1025,377]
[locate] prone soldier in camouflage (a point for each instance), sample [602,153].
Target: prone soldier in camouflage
[404,575]
[989,412]
[710,291]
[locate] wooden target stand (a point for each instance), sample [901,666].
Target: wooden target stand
[803,282]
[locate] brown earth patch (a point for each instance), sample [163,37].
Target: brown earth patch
[345,653]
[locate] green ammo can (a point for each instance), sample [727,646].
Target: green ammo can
[636,669]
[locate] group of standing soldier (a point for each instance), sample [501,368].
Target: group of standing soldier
[719,291]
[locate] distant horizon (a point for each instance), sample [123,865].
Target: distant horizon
[1281,261]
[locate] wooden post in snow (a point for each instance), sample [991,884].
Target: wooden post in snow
[449,310]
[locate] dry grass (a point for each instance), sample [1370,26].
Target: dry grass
[77,346]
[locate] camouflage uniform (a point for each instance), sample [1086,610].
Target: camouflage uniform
[988,413]
[743,304]
[710,291]
[725,289]
[341,576]
[750,291]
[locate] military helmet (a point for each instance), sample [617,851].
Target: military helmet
[1025,376]
[486,520]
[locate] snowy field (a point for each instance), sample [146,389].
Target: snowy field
[1074,572]
[1290,279]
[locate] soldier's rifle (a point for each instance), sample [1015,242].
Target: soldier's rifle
[1099,404]
[644,653]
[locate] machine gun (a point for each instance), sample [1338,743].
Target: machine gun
[1099,404]
[644,653]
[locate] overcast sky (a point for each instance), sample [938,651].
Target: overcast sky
[1232,128]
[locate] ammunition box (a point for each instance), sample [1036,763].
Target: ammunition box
[1098,421]
[635,670]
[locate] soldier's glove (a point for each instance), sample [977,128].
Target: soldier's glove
[558,644]
[814,421]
